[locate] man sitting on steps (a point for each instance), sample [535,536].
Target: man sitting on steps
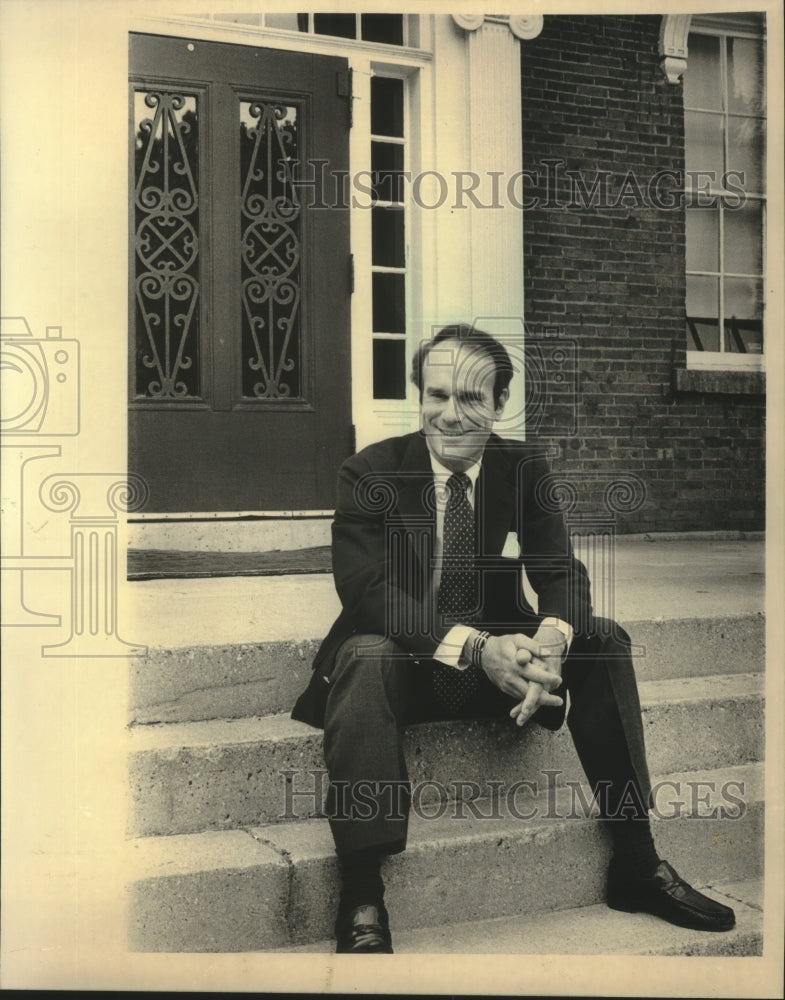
[434,625]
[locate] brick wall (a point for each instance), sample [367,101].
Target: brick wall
[608,278]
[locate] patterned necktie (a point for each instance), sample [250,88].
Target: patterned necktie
[458,590]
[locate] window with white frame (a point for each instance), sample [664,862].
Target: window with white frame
[379,29]
[388,238]
[724,115]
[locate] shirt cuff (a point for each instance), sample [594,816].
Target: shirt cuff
[450,648]
[565,629]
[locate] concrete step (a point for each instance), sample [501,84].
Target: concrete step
[228,680]
[225,774]
[249,531]
[275,886]
[587,930]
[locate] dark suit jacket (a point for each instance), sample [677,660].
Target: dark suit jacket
[383,539]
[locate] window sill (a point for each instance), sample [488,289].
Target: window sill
[736,383]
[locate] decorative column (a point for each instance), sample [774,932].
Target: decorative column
[496,156]
[40,401]
[495,145]
[15,560]
[94,501]
[594,535]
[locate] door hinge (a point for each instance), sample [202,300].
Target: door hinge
[351,274]
[352,439]
[345,90]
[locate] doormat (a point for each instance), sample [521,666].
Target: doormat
[174,564]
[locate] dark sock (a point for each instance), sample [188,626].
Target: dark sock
[361,880]
[633,847]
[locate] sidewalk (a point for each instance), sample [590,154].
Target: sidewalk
[645,580]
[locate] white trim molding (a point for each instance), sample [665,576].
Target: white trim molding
[524,27]
[673,45]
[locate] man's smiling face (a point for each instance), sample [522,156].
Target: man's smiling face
[457,406]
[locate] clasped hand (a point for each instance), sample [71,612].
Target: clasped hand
[526,668]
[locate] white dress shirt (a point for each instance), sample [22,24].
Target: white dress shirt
[450,649]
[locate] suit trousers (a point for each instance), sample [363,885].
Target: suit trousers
[376,690]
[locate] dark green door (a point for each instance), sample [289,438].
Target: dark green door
[240,280]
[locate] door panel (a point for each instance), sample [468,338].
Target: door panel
[240,394]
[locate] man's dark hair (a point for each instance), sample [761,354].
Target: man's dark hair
[477,340]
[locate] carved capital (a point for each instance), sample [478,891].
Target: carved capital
[469,22]
[525,27]
[673,45]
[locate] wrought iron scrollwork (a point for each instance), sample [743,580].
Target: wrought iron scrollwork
[167,247]
[271,251]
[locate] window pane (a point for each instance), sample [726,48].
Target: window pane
[744,239]
[703,141]
[288,22]
[703,332]
[387,167]
[388,240]
[166,241]
[746,80]
[702,85]
[389,369]
[744,315]
[703,239]
[744,336]
[389,303]
[745,151]
[386,106]
[340,25]
[383,28]
[744,298]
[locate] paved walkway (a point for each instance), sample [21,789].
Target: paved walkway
[643,580]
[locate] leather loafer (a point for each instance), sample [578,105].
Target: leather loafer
[668,896]
[364,931]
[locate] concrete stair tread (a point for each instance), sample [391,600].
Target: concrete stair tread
[279,726]
[276,886]
[309,839]
[234,679]
[240,773]
[211,732]
[681,578]
[586,930]
[312,838]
